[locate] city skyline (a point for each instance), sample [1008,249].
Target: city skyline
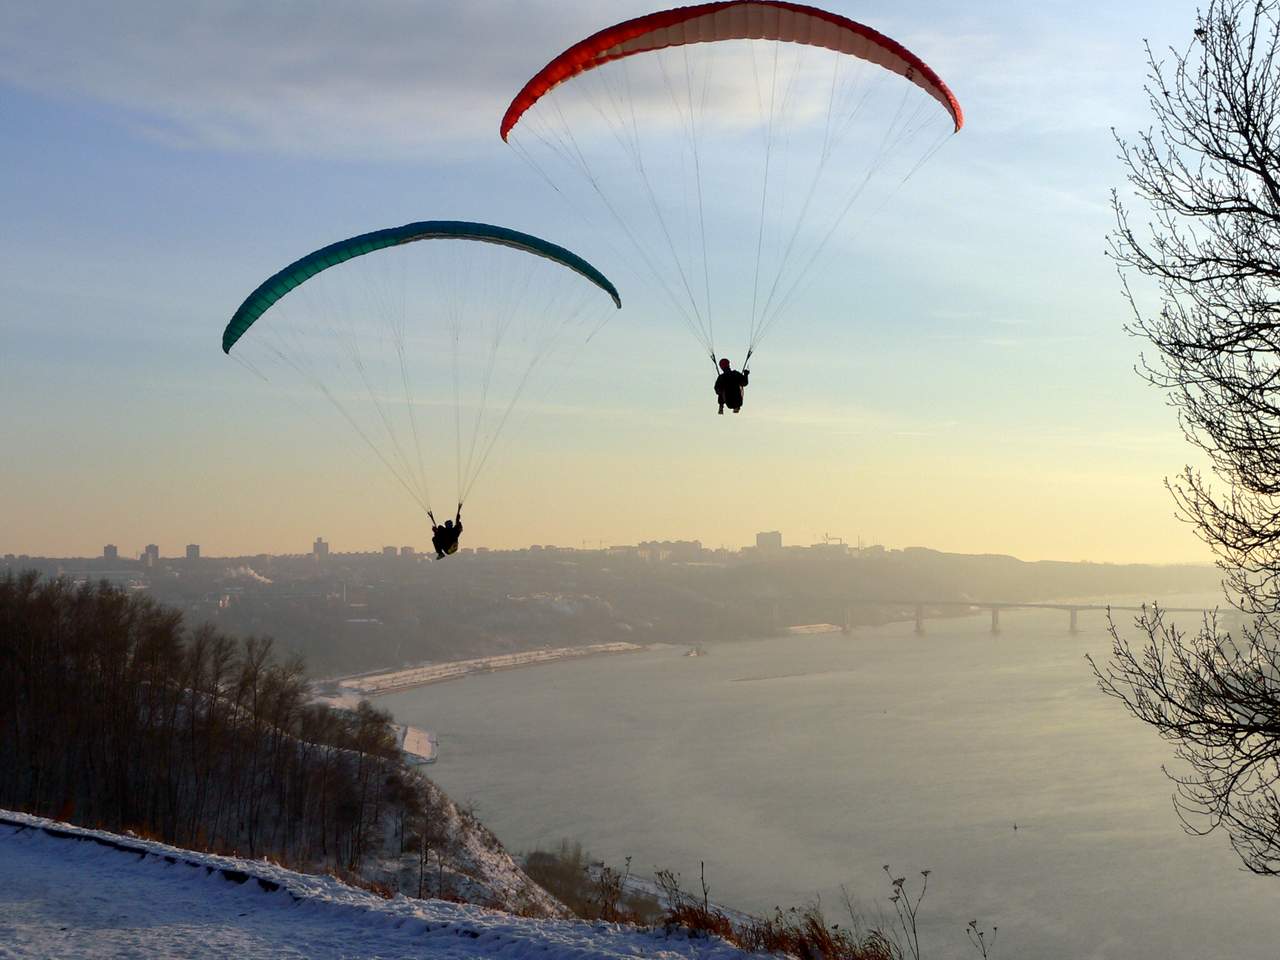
[765,543]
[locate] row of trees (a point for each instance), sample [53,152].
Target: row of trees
[113,714]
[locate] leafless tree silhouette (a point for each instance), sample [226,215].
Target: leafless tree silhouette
[1209,173]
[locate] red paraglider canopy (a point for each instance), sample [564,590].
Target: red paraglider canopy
[733,20]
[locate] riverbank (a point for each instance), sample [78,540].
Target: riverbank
[346,692]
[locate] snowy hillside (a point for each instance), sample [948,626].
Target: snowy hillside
[476,867]
[70,892]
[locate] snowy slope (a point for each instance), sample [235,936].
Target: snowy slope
[478,868]
[70,892]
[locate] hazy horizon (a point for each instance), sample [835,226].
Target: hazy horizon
[127,550]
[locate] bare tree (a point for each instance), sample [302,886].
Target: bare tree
[113,713]
[1209,172]
[1216,697]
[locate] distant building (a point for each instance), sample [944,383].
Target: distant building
[770,540]
[193,551]
[109,552]
[833,548]
[407,552]
[320,549]
[686,551]
[151,555]
[678,551]
[388,551]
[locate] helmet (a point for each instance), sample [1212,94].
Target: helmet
[725,364]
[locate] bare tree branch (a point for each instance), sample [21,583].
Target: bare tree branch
[1208,171]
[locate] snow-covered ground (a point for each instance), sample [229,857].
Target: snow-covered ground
[348,691]
[419,746]
[75,893]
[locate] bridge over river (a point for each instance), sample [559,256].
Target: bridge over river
[934,609]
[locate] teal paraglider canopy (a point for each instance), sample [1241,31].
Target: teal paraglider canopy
[280,283]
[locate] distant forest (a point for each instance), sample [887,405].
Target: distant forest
[351,613]
[385,615]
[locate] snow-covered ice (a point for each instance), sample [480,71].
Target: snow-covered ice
[366,685]
[71,897]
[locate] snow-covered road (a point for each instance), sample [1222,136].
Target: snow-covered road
[65,897]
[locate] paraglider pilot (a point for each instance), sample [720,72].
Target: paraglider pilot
[729,386]
[445,537]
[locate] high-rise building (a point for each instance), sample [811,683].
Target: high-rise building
[193,551]
[388,551]
[152,553]
[769,540]
[407,552]
[109,552]
[320,549]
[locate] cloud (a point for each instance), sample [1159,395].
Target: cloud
[1047,69]
[388,79]
[409,79]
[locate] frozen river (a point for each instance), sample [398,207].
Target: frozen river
[793,766]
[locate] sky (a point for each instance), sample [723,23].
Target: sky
[967,383]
